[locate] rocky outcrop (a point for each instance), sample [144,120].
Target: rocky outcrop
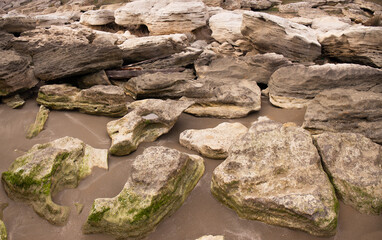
[35,128]
[269,33]
[99,100]
[259,4]
[14,101]
[16,74]
[225,26]
[353,163]
[49,168]
[328,23]
[294,86]
[273,174]
[147,120]
[90,80]
[355,45]
[160,181]
[346,110]
[213,142]
[17,23]
[97,17]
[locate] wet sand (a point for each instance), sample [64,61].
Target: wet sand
[200,215]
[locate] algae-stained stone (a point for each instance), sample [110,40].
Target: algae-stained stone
[273,174]
[3,231]
[354,164]
[149,119]
[35,128]
[47,169]
[213,142]
[160,181]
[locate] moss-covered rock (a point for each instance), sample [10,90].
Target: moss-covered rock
[3,229]
[35,128]
[160,181]
[47,169]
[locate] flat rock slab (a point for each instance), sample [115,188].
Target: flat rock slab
[99,100]
[273,174]
[147,120]
[225,26]
[160,181]
[346,110]
[49,168]
[213,142]
[97,17]
[354,164]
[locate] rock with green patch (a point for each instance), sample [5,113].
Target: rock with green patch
[354,164]
[160,181]
[99,100]
[3,229]
[38,125]
[14,101]
[273,174]
[148,119]
[47,169]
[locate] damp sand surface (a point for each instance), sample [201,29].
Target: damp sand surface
[201,214]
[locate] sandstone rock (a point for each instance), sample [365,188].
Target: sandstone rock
[160,181]
[5,40]
[357,44]
[148,120]
[346,110]
[35,128]
[47,20]
[294,86]
[3,229]
[17,23]
[270,33]
[97,17]
[99,100]
[14,101]
[325,24]
[353,163]
[211,237]
[16,74]
[273,174]
[49,168]
[90,80]
[225,26]
[213,142]
[259,4]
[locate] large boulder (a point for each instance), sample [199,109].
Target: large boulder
[147,120]
[346,110]
[49,168]
[97,17]
[225,26]
[273,174]
[99,100]
[353,163]
[160,181]
[294,86]
[269,33]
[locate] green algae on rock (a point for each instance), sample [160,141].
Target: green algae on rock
[47,169]
[14,101]
[354,164]
[3,229]
[160,181]
[38,125]
[273,174]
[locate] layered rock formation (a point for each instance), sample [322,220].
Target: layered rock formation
[97,17]
[225,26]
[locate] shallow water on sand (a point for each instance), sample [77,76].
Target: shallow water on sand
[200,215]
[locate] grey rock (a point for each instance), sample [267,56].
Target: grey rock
[90,80]
[97,17]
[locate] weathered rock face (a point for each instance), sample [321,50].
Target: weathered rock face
[210,237]
[346,110]
[148,120]
[270,33]
[17,23]
[15,73]
[90,80]
[353,163]
[160,181]
[328,23]
[225,26]
[99,100]
[357,45]
[213,142]
[259,4]
[5,40]
[49,168]
[294,86]
[97,17]
[273,174]
[35,128]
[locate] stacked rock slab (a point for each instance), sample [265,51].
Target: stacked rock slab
[147,120]
[354,164]
[99,100]
[273,174]
[160,181]
[346,110]
[49,168]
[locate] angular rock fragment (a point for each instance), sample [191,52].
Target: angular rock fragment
[90,80]
[160,181]
[353,163]
[213,142]
[99,100]
[14,101]
[49,168]
[97,17]
[35,128]
[346,110]
[273,174]
[225,26]
[149,119]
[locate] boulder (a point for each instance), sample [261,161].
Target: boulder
[273,174]
[90,80]
[99,100]
[147,120]
[97,17]
[213,142]
[269,33]
[225,26]
[353,163]
[49,168]
[294,86]
[355,45]
[160,181]
[346,110]
[328,23]
[38,125]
